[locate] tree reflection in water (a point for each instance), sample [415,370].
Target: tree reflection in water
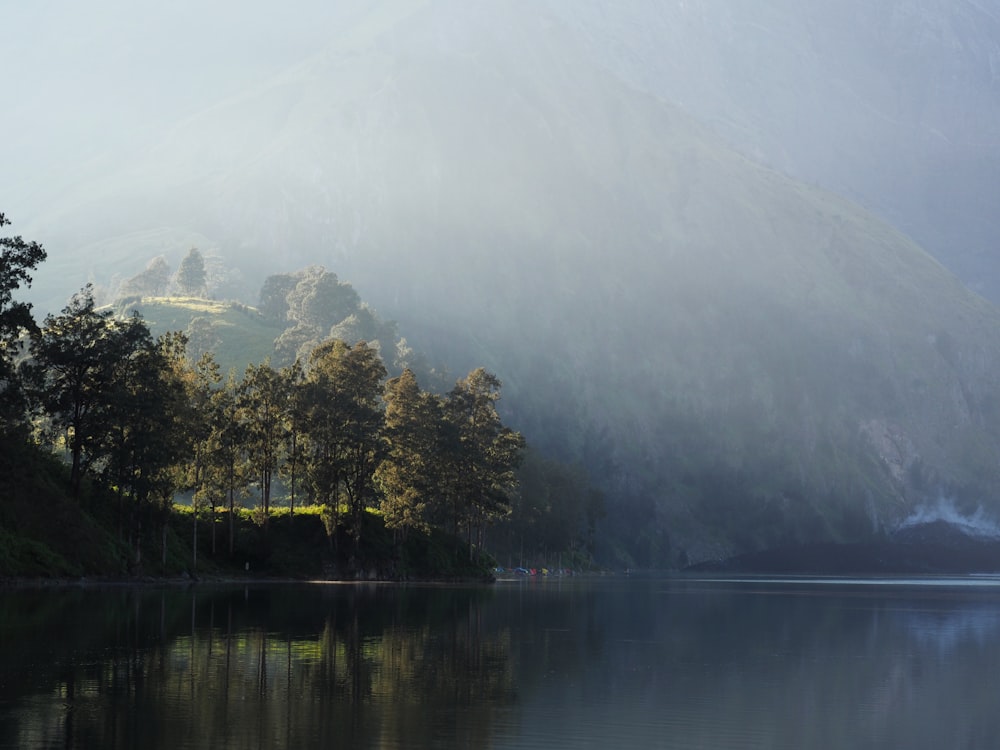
[664,663]
[345,666]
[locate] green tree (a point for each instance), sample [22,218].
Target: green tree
[365,325]
[227,469]
[262,406]
[318,307]
[202,336]
[202,382]
[320,300]
[273,303]
[296,343]
[146,433]
[134,431]
[76,362]
[175,427]
[195,381]
[344,424]
[151,282]
[295,424]
[410,473]
[17,259]
[191,279]
[484,455]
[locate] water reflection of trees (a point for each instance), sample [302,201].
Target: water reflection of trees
[346,667]
[614,663]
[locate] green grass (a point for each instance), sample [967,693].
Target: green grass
[238,335]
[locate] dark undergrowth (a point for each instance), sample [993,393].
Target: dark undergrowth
[47,535]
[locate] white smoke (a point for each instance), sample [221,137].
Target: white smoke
[979,524]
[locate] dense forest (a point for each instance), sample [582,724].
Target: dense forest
[148,439]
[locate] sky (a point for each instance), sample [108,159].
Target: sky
[894,104]
[91,78]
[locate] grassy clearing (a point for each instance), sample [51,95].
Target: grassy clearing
[196,305]
[237,334]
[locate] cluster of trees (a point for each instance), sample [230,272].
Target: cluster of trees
[139,416]
[136,414]
[316,306]
[190,280]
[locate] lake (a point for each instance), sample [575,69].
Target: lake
[610,662]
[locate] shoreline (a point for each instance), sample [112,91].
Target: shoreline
[16,583]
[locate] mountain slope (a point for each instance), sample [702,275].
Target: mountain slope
[895,103]
[741,360]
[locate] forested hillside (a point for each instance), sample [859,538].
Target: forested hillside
[327,441]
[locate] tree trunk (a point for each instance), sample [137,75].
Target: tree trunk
[232,521]
[194,539]
[232,510]
[76,447]
[121,515]
[291,502]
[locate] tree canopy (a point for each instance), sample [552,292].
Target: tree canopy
[191,278]
[151,282]
[18,258]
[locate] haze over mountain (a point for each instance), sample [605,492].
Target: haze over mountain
[742,360]
[893,104]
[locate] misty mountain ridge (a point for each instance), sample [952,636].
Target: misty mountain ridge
[895,104]
[741,360]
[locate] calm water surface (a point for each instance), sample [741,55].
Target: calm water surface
[576,663]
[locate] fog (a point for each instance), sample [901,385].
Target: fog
[686,235]
[95,84]
[895,106]
[975,524]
